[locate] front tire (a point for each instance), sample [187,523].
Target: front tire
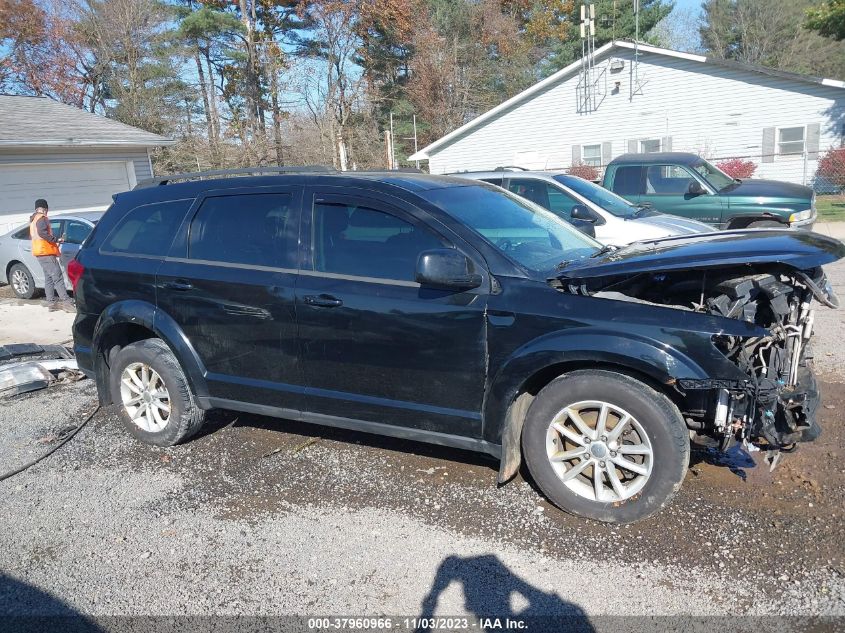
[22,281]
[766,224]
[605,446]
[153,395]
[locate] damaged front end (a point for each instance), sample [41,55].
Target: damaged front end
[775,408]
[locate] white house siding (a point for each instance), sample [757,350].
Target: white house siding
[715,111]
[64,171]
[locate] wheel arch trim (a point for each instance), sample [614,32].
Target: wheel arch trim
[145,314]
[509,395]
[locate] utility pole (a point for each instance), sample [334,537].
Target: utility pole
[388,149]
[415,139]
[392,148]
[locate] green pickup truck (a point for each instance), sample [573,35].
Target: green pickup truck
[687,185]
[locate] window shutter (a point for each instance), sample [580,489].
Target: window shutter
[666,144]
[768,146]
[632,146]
[576,154]
[606,152]
[812,141]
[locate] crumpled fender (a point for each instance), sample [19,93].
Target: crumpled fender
[661,360]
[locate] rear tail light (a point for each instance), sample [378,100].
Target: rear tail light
[74,272]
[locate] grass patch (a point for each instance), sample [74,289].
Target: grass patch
[831,208]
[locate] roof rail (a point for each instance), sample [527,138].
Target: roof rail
[511,168]
[243,171]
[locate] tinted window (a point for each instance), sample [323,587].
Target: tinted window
[545,194]
[599,196]
[55,227]
[667,180]
[256,229]
[76,232]
[493,181]
[526,232]
[361,241]
[626,180]
[148,229]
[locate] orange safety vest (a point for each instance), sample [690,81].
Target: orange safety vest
[41,247]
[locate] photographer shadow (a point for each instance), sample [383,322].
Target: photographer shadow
[490,590]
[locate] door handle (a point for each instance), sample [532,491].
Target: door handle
[178,284]
[323,301]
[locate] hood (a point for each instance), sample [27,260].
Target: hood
[675,225]
[801,250]
[768,189]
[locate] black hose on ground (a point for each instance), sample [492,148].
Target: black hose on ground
[64,441]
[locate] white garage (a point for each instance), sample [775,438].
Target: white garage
[66,186]
[74,159]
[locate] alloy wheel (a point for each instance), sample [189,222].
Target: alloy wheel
[145,397]
[20,282]
[599,451]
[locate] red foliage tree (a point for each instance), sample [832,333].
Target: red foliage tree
[583,170]
[832,167]
[738,168]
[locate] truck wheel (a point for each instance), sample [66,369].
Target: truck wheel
[150,389]
[766,224]
[605,446]
[22,282]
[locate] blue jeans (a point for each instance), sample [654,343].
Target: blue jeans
[53,278]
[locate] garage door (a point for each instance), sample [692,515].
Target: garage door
[66,186]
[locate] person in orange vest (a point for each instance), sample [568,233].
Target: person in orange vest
[45,247]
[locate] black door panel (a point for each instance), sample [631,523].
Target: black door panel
[375,345]
[233,295]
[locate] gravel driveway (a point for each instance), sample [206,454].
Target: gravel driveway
[264,517]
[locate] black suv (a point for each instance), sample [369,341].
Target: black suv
[449,311]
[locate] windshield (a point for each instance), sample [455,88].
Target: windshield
[526,232]
[713,175]
[599,196]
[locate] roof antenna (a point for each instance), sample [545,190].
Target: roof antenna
[635,70]
[588,48]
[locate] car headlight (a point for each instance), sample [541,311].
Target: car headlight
[801,215]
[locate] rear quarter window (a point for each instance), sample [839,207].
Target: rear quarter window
[627,180]
[147,230]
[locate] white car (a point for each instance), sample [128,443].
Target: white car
[588,206]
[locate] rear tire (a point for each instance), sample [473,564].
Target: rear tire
[767,224]
[153,395]
[22,282]
[640,464]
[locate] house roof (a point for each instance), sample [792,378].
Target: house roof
[42,122]
[574,67]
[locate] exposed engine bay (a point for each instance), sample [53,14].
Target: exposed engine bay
[775,408]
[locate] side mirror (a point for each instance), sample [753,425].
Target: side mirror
[587,228]
[695,188]
[582,213]
[447,269]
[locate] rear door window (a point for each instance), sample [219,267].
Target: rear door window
[148,229]
[627,180]
[250,229]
